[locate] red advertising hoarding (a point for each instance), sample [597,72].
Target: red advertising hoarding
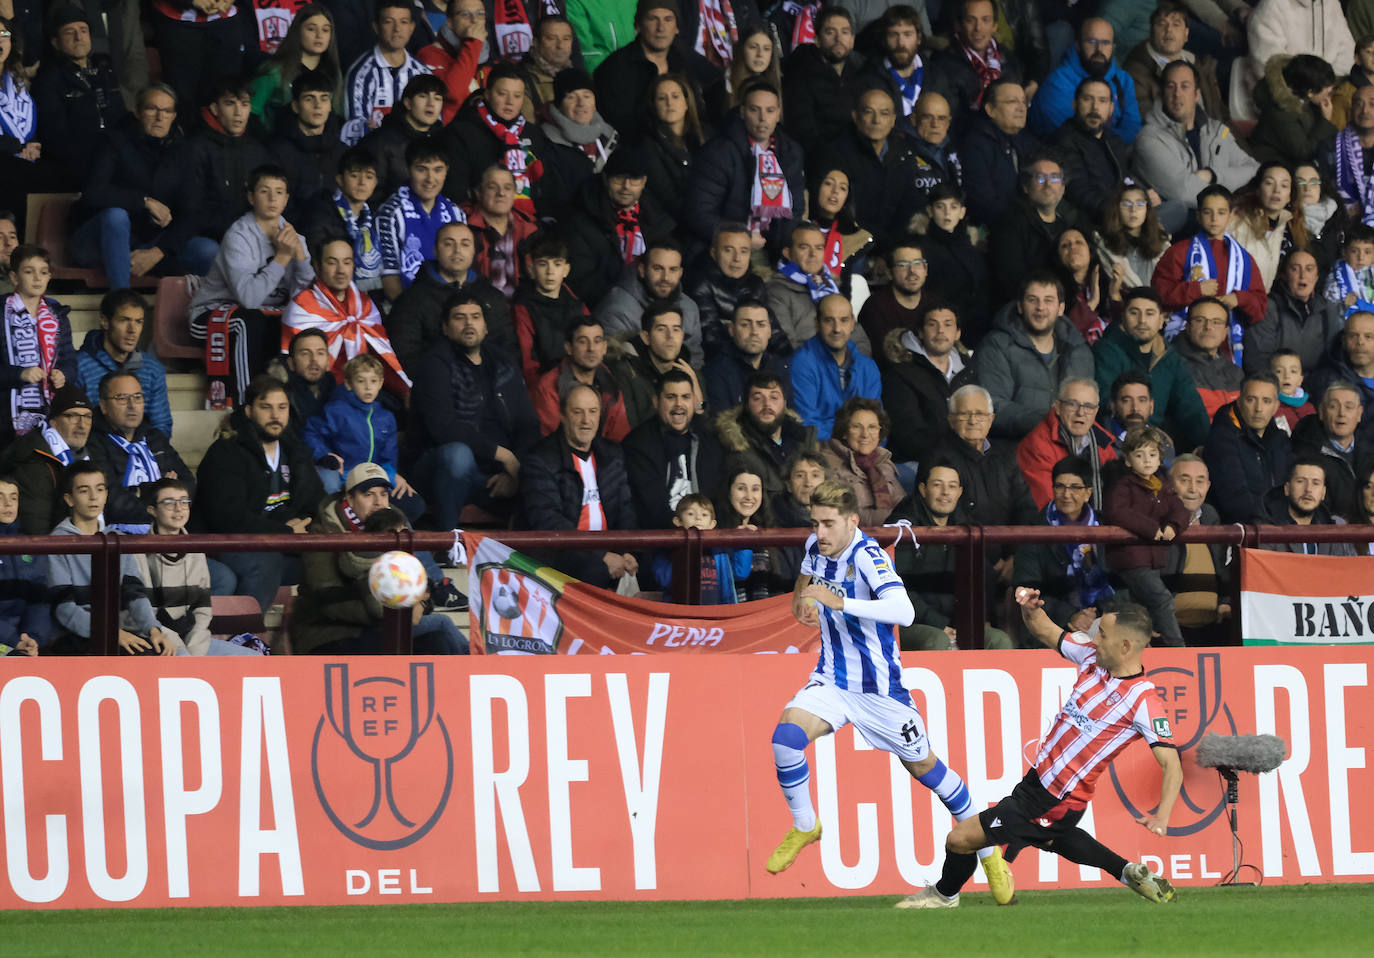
[315,781]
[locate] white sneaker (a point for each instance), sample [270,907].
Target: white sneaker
[928,897]
[1139,879]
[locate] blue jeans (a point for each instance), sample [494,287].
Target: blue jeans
[106,239]
[222,578]
[261,574]
[454,478]
[331,479]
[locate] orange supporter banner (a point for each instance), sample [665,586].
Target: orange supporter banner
[524,608]
[153,782]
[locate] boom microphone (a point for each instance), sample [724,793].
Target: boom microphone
[1242,753]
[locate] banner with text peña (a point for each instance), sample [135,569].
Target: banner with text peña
[524,608]
[305,780]
[1292,599]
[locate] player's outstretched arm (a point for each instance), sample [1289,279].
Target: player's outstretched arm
[1170,783]
[1037,622]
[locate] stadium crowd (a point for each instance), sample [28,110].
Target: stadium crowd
[595,264]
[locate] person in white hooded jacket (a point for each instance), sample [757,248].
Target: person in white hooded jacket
[1293,27]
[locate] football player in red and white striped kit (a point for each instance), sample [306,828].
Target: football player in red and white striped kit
[1111,704]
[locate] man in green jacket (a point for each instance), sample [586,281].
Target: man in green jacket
[1137,342]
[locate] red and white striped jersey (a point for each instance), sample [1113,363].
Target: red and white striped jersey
[1101,716]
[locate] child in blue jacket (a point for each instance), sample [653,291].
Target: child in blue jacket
[354,428]
[720,568]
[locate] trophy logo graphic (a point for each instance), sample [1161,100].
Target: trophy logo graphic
[375,753]
[1193,706]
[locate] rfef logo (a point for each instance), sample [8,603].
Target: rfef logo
[377,754]
[1192,707]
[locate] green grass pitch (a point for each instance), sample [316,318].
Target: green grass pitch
[1326,920]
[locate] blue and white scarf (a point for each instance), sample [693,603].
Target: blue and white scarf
[1084,566]
[18,115]
[1345,281]
[910,87]
[142,465]
[407,232]
[1202,266]
[1351,182]
[367,248]
[60,450]
[818,288]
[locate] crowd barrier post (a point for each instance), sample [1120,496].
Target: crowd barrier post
[970,600]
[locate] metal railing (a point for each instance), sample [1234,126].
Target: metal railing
[971,544]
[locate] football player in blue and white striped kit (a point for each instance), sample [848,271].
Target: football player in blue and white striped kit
[848,588]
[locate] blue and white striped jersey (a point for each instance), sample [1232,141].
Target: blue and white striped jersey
[858,655]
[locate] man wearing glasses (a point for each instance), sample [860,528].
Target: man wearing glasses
[458,54]
[114,348]
[1092,57]
[1070,428]
[1028,233]
[898,304]
[937,161]
[1216,376]
[38,460]
[133,214]
[133,453]
[994,490]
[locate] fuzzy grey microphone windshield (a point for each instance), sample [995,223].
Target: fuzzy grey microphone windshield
[1244,753]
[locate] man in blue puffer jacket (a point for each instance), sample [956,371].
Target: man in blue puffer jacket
[114,346]
[828,368]
[1092,57]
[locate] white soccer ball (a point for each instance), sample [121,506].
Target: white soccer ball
[397,580]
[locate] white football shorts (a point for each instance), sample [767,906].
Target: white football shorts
[884,722]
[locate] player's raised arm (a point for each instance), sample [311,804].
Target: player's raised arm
[1037,622]
[1170,783]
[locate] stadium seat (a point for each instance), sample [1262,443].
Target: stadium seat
[171,315]
[232,614]
[51,234]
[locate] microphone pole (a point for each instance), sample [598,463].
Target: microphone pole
[1232,815]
